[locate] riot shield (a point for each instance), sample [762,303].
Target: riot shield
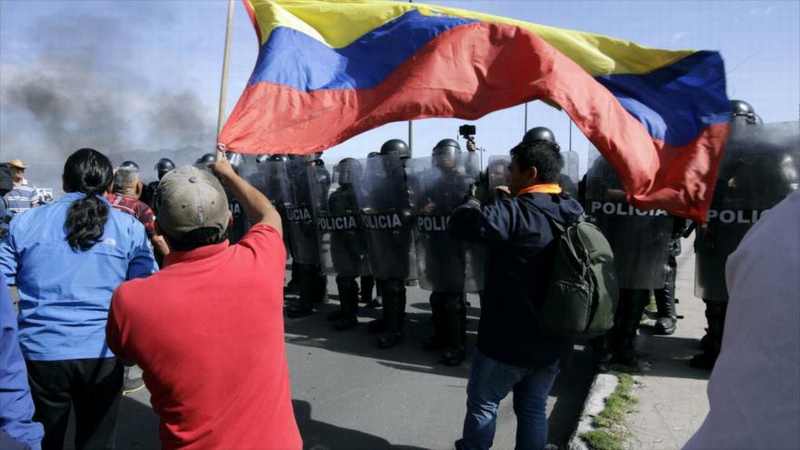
[300,213]
[569,173]
[272,179]
[386,207]
[497,171]
[444,264]
[639,239]
[469,164]
[342,240]
[759,169]
[571,165]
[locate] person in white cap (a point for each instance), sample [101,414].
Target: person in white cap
[24,196]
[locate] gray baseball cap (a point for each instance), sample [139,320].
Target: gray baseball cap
[190,198]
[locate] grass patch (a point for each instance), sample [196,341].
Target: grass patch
[610,432]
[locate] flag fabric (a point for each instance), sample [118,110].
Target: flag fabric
[328,70]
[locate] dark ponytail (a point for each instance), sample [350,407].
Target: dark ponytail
[87,171]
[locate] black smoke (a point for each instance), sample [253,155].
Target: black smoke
[86,88]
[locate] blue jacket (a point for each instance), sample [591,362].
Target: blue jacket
[518,236]
[16,405]
[64,294]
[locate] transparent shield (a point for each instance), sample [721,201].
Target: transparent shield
[342,240]
[640,239]
[386,204]
[307,182]
[759,169]
[444,264]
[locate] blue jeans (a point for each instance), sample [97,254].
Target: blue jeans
[489,382]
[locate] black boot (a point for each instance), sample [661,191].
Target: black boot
[667,318]
[378,326]
[393,313]
[454,330]
[293,288]
[436,340]
[348,303]
[367,284]
[320,285]
[304,274]
[623,343]
[715,314]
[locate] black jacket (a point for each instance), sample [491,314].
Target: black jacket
[518,237]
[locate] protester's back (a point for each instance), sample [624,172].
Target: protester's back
[207,332]
[517,280]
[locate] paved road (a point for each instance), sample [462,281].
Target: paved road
[672,395]
[350,395]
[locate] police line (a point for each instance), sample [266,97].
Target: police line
[726,216]
[430,223]
[426,223]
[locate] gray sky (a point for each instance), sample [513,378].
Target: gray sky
[143,76]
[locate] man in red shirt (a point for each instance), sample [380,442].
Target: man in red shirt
[207,330]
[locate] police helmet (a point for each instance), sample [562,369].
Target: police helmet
[396,147]
[447,146]
[538,134]
[206,160]
[129,165]
[348,171]
[163,166]
[444,154]
[740,108]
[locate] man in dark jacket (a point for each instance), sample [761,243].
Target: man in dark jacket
[512,354]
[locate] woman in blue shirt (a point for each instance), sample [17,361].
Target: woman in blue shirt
[67,258]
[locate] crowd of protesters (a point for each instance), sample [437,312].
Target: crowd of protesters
[106,281]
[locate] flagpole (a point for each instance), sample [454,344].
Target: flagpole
[411,127]
[223,89]
[525,125]
[570,133]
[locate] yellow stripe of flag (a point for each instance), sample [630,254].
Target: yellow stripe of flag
[337,23]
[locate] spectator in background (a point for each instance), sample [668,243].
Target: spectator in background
[208,329]
[125,197]
[6,185]
[67,258]
[23,196]
[125,191]
[17,430]
[754,390]
[125,194]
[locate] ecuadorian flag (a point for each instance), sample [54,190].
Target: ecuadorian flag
[328,70]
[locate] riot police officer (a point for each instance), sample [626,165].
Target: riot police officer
[301,215]
[566,180]
[442,261]
[759,168]
[343,244]
[129,165]
[386,208]
[666,315]
[206,160]
[640,241]
[163,166]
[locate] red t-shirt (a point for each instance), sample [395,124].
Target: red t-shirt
[207,331]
